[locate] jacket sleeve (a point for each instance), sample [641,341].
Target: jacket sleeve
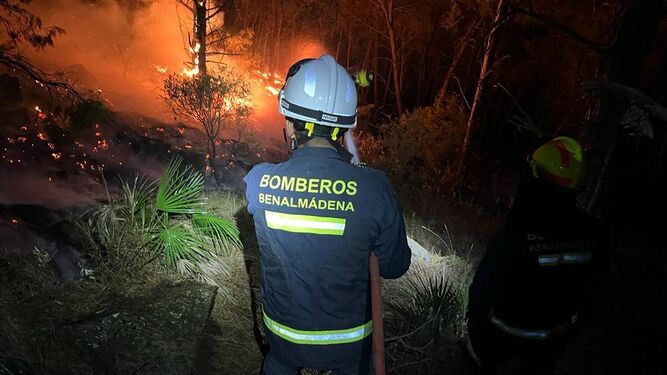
[391,244]
[250,180]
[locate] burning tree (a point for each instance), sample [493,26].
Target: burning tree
[213,100]
[210,36]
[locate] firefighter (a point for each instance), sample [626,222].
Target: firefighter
[531,287]
[317,219]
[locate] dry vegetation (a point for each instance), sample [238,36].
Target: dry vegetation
[424,309]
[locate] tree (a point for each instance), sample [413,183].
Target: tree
[20,27]
[487,63]
[210,37]
[389,13]
[212,100]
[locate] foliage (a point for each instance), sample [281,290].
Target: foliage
[164,221]
[180,189]
[425,308]
[20,25]
[20,28]
[211,100]
[421,149]
[233,44]
[431,310]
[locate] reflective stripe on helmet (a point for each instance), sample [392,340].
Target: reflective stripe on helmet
[318,116]
[564,258]
[328,337]
[305,223]
[536,334]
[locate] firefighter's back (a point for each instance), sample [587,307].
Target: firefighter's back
[317,219]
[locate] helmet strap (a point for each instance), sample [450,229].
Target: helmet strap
[341,151]
[291,142]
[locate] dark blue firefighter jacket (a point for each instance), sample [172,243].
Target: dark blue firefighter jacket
[317,220]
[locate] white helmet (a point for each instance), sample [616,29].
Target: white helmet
[319,91]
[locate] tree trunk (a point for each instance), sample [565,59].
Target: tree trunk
[395,67]
[200,34]
[213,155]
[487,62]
[340,37]
[376,84]
[349,49]
[463,44]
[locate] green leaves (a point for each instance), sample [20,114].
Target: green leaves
[180,189]
[222,233]
[176,243]
[168,220]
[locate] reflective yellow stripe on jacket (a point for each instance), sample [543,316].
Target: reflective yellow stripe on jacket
[329,337]
[305,223]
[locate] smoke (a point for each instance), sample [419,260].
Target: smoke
[123,49]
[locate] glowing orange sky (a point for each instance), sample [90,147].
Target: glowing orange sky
[127,56]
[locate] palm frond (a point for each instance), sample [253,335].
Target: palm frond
[107,225]
[223,233]
[180,189]
[135,202]
[176,243]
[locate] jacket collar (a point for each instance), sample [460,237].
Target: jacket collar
[316,152]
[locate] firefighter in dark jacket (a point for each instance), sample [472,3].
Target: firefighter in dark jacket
[531,287]
[317,218]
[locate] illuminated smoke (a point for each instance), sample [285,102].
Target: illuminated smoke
[125,55]
[122,53]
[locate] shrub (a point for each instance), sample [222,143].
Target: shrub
[164,221]
[422,148]
[429,309]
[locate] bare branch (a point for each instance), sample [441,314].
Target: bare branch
[186,4]
[213,14]
[223,54]
[600,48]
[18,62]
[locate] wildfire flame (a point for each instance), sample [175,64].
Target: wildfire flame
[40,115]
[274,91]
[195,70]
[273,84]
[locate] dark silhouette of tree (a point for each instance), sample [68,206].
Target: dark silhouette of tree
[20,28]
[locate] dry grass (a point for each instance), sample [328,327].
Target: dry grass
[230,343]
[231,336]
